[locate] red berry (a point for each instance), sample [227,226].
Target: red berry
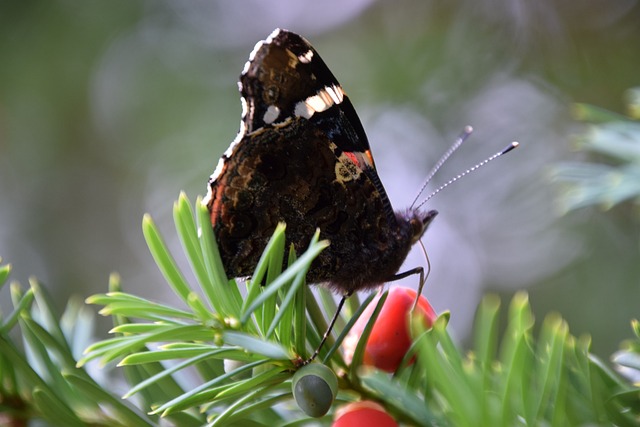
[363,414]
[390,338]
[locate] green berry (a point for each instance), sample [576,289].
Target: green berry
[314,388]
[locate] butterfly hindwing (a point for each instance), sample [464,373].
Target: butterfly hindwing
[261,186]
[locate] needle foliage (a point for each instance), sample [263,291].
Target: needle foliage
[224,352]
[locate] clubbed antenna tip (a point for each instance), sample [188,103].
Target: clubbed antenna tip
[508,148]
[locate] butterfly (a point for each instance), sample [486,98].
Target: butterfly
[302,157]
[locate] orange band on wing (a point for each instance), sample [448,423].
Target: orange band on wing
[362,160]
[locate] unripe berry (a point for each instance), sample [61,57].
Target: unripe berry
[314,388]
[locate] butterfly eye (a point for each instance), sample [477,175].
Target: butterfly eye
[417,228]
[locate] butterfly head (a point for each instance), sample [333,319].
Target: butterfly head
[419,222]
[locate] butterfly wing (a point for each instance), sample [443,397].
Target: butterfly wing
[301,157]
[284,78]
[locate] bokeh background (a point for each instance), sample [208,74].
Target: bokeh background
[108,109]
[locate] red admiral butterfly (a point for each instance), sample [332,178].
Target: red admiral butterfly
[302,157]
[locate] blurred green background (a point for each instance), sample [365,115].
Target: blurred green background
[109,108]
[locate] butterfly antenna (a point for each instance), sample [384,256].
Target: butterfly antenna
[468,171]
[458,142]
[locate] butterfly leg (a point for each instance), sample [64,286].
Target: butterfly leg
[417,270]
[329,328]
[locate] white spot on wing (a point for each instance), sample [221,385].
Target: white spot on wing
[257,47]
[273,35]
[303,110]
[306,57]
[232,147]
[252,56]
[245,107]
[336,93]
[223,160]
[216,173]
[321,101]
[271,114]
[207,197]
